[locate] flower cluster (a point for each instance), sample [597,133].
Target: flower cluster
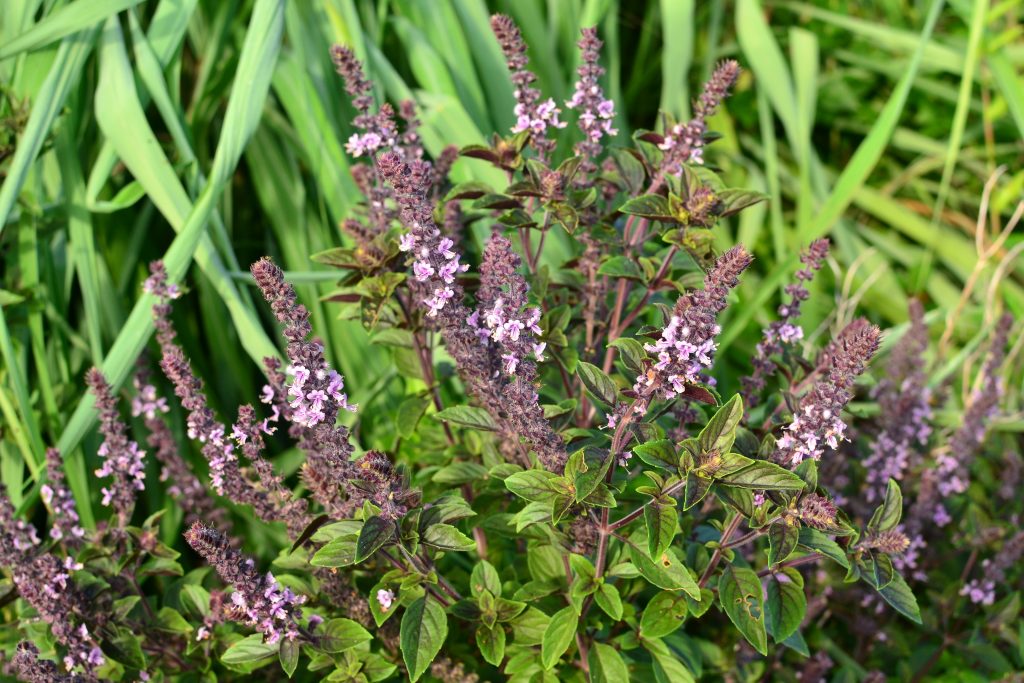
[30,668]
[531,115]
[785,330]
[687,343]
[434,261]
[44,582]
[269,499]
[258,599]
[379,129]
[182,483]
[817,511]
[514,403]
[328,468]
[818,420]
[58,498]
[385,598]
[983,590]
[123,460]
[953,464]
[389,491]
[684,143]
[596,112]
[904,400]
[891,541]
[502,314]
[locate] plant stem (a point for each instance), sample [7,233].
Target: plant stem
[795,562]
[671,490]
[727,533]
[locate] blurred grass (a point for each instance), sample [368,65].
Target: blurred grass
[213,130]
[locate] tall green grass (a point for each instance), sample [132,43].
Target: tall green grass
[210,132]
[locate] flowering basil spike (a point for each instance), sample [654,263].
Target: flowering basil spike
[905,412]
[687,344]
[270,499]
[122,458]
[785,330]
[489,345]
[182,483]
[58,498]
[818,421]
[44,582]
[532,115]
[684,143]
[596,112]
[258,599]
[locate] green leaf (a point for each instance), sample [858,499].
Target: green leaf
[597,383]
[696,488]
[468,190]
[782,541]
[375,533]
[376,668]
[491,642]
[734,200]
[339,635]
[660,453]
[338,552]
[729,463]
[663,615]
[597,463]
[621,266]
[786,605]
[606,665]
[558,636]
[607,598]
[424,629]
[533,485]
[534,513]
[720,432]
[249,649]
[739,591]
[662,523]
[447,537]
[485,577]
[666,572]
[887,515]
[648,206]
[812,539]
[467,416]
[667,666]
[530,626]
[764,476]
[797,643]
[808,471]
[899,595]
[289,656]
[459,473]
[409,413]
[631,352]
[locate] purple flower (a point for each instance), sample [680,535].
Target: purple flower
[687,343]
[259,600]
[512,399]
[385,598]
[785,330]
[58,498]
[904,398]
[818,421]
[530,115]
[596,112]
[983,590]
[684,143]
[123,460]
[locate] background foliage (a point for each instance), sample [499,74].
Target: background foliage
[209,133]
